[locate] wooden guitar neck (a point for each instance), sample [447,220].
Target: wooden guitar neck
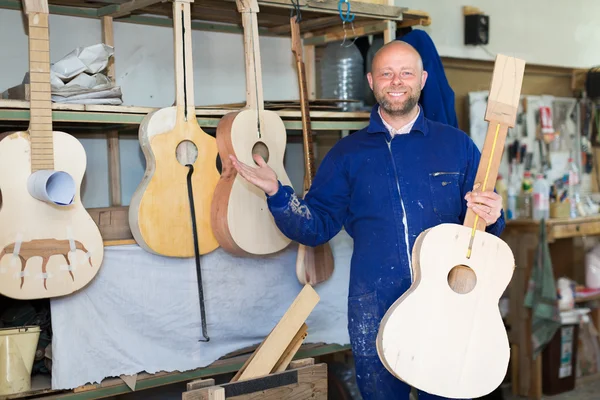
[184,76]
[254,91]
[501,114]
[307,134]
[40,123]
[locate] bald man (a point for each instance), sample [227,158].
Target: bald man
[385,184]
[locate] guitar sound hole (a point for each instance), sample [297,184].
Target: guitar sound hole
[262,150]
[186,152]
[462,279]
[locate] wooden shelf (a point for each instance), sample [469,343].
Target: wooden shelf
[116,386]
[559,228]
[522,236]
[99,117]
[319,17]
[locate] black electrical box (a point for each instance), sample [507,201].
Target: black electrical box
[477,29]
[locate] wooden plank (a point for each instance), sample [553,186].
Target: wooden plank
[114,168]
[304,362]
[201,111]
[108,38]
[200,383]
[113,222]
[291,350]
[361,28]
[266,356]
[119,10]
[119,242]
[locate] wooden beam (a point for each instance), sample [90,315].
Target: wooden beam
[415,17]
[121,10]
[114,168]
[109,39]
[379,11]
[367,28]
[307,25]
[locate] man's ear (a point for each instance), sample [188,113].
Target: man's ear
[423,79]
[370,79]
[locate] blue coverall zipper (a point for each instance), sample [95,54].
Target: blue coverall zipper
[404,217]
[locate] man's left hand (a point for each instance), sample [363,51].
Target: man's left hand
[487,205]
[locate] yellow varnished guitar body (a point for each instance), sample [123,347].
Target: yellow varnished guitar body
[171,139]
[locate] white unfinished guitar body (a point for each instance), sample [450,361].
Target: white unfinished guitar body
[442,342]
[43,264]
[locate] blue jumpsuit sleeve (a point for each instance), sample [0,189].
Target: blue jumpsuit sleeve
[473,157]
[318,217]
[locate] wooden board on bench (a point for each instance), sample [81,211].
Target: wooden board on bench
[302,380]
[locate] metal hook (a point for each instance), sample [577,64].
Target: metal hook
[348,17]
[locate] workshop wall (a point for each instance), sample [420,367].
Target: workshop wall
[559,32]
[145,70]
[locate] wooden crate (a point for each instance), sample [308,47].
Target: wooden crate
[302,380]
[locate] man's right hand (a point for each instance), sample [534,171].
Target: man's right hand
[262,176]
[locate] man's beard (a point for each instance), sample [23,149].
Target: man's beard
[398,109]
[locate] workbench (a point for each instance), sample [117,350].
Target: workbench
[523,238]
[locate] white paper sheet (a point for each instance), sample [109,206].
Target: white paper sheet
[90,59]
[141,312]
[56,187]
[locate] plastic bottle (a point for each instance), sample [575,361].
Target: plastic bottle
[573,187]
[526,194]
[503,192]
[541,198]
[512,212]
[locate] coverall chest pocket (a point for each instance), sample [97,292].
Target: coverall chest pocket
[445,193]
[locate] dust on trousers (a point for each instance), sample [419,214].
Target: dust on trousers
[364,315]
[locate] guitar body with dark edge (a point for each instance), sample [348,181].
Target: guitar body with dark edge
[241,220]
[313,264]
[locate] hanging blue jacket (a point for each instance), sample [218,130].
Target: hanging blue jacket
[437,97]
[384,191]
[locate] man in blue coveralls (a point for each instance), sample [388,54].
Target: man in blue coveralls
[384,184]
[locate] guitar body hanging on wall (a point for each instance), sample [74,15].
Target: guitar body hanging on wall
[173,143]
[313,264]
[445,335]
[49,245]
[241,219]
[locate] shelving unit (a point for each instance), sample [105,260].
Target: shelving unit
[144,381]
[523,238]
[321,24]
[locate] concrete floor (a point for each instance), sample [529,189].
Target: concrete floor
[589,389]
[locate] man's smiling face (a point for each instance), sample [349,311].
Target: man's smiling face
[397,78]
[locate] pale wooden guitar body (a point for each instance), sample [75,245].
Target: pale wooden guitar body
[445,335]
[159,213]
[447,343]
[241,220]
[43,234]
